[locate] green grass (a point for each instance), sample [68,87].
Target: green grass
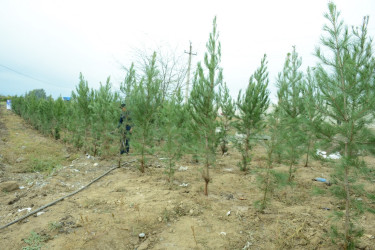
[53,225]
[318,191]
[44,165]
[34,242]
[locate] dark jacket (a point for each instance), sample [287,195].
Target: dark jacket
[125,119]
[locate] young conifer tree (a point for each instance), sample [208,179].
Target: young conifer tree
[144,107]
[173,130]
[104,114]
[30,108]
[311,99]
[130,81]
[345,77]
[252,106]
[227,113]
[80,112]
[269,179]
[291,110]
[59,121]
[127,90]
[45,115]
[203,102]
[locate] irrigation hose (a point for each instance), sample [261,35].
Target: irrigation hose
[66,196]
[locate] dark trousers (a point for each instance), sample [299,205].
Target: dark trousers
[124,148]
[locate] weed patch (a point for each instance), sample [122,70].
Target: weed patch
[43,165]
[35,241]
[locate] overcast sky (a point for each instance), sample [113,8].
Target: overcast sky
[46,44]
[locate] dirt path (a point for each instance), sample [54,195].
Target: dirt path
[113,211]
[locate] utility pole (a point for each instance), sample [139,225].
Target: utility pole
[188,73]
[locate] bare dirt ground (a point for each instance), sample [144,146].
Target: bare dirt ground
[112,212]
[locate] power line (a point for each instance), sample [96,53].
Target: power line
[28,76]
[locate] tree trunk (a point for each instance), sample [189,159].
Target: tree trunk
[307,154]
[206,173]
[347,202]
[266,189]
[142,169]
[290,173]
[206,188]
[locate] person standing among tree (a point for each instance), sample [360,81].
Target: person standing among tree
[125,129]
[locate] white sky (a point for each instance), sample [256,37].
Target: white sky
[48,43]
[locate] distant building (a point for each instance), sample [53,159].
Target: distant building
[66,98]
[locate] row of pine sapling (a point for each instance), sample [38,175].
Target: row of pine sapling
[329,106]
[86,121]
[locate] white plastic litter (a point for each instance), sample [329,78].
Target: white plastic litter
[223,233]
[22,187]
[228,213]
[247,246]
[334,156]
[369,236]
[323,154]
[182,168]
[184,184]
[23,209]
[239,137]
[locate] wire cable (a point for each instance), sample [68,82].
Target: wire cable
[31,77]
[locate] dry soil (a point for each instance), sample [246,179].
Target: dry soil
[112,212]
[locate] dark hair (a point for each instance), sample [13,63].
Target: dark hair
[123,105]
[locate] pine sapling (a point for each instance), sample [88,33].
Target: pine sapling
[203,103]
[312,118]
[144,107]
[252,106]
[81,113]
[291,110]
[59,121]
[173,130]
[102,120]
[226,117]
[345,80]
[268,178]
[127,89]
